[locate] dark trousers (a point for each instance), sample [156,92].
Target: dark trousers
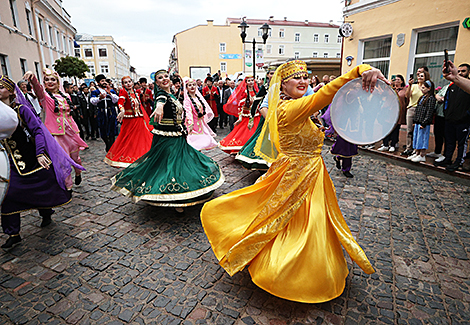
[213,124]
[455,133]
[223,117]
[439,132]
[231,121]
[346,163]
[11,224]
[391,140]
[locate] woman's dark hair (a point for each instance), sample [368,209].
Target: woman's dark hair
[399,76]
[56,102]
[430,85]
[199,113]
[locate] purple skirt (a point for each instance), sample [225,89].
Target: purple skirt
[33,191]
[343,148]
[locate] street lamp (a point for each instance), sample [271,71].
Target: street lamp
[265,28]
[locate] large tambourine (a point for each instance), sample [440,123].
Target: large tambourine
[4,173]
[362,117]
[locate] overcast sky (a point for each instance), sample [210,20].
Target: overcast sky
[145,28]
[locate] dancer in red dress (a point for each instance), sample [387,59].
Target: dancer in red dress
[239,104]
[135,137]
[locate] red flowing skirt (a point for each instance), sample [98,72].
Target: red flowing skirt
[134,140]
[240,134]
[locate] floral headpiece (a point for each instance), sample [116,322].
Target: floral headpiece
[291,69]
[49,72]
[7,83]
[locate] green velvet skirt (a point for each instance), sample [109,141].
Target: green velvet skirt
[247,156]
[170,174]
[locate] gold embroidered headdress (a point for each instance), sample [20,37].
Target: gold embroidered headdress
[267,145]
[7,83]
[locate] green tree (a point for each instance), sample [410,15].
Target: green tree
[70,66]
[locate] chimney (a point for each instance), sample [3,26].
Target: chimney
[210,22]
[285,18]
[306,21]
[271,18]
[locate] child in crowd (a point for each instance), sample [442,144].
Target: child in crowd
[423,119]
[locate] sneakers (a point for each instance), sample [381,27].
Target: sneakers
[383,148]
[440,158]
[407,153]
[413,156]
[392,149]
[11,241]
[433,155]
[418,158]
[348,174]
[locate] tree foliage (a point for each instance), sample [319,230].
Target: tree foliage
[70,66]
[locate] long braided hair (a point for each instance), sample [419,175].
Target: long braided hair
[56,101]
[199,113]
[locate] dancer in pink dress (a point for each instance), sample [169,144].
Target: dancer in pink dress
[198,114]
[58,119]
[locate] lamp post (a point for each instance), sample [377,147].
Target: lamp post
[265,28]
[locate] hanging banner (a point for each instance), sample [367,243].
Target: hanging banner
[248,58]
[259,58]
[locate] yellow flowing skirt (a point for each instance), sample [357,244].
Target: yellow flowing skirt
[289,229]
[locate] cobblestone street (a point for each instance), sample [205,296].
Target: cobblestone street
[106,260]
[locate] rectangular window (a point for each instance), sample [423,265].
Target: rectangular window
[104,68]
[260,32]
[36,67]
[28,20]
[77,53]
[50,35]
[59,41]
[65,44]
[3,64]
[88,53]
[315,38]
[41,28]
[281,33]
[281,49]
[327,38]
[297,37]
[269,49]
[91,67]
[339,40]
[13,13]
[24,66]
[315,54]
[222,47]
[325,54]
[430,46]
[377,54]
[223,66]
[103,52]
[338,55]
[296,55]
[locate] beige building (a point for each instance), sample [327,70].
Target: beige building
[33,35]
[208,48]
[399,36]
[103,55]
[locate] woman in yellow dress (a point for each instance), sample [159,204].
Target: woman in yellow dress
[288,226]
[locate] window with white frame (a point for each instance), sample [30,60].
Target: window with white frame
[24,66]
[297,37]
[377,53]
[77,53]
[260,32]
[269,49]
[296,55]
[14,14]
[339,39]
[430,45]
[326,38]
[281,50]
[41,28]
[91,67]
[3,64]
[104,68]
[315,54]
[223,66]
[315,38]
[88,52]
[222,47]
[325,54]
[338,55]
[28,20]
[103,52]
[281,32]
[51,40]
[65,44]
[59,41]
[36,68]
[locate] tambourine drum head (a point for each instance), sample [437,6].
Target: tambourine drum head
[362,117]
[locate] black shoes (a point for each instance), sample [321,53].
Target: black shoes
[78,179]
[453,167]
[46,221]
[407,153]
[443,163]
[12,240]
[338,163]
[348,174]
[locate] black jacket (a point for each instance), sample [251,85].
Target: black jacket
[457,105]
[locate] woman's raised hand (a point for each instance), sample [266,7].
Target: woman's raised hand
[369,79]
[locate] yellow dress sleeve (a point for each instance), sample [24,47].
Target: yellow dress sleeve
[296,111]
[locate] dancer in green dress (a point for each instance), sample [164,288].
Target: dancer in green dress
[171,173]
[247,156]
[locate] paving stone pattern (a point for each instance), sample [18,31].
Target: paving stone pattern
[106,260]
